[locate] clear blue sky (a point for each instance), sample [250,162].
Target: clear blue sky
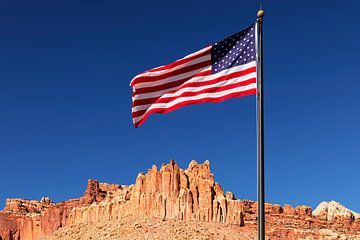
[65,67]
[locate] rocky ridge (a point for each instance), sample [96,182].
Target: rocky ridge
[333,210]
[171,194]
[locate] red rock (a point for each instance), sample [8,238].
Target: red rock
[168,193]
[273,208]
[303,210]
[93,193]
[288,209]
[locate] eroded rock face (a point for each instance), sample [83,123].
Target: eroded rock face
[334,211]
[168,193]
[21,206]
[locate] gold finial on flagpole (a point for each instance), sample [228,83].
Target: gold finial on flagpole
[261,12]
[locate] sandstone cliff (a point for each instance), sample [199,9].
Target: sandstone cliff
[166,194]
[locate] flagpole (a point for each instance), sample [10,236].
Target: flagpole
[260,127]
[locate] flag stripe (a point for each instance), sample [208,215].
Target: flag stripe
[197,87]
[195,94]
[187,61]
[175,75]
[233,82]
[161,80]
[139,110]
[189,57]
[211,98]
[178,79]
[196,59]
[204,76]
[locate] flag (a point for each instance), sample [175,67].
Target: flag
[224,70]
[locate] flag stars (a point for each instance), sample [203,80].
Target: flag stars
[233,51]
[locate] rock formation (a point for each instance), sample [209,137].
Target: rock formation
[168,193]
[334,211]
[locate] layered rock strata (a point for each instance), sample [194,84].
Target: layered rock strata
[168,193]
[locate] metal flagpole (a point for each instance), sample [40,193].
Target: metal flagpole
[260,127]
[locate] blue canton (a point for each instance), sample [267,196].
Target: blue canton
[238,49]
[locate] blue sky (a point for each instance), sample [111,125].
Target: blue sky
[65,102]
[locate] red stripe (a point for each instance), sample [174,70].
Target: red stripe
[198,84]
[173,73]
[181,61]
[192,94]
[185,103]
[171,84]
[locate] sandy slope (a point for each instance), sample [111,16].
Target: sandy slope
[153,229]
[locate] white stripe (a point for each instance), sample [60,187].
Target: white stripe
[147,73]
[198,97]
[161,92]
[166,71]
[176,77]
[198,52]
[197,89]
[197,79]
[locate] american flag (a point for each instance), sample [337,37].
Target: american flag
[226,69]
